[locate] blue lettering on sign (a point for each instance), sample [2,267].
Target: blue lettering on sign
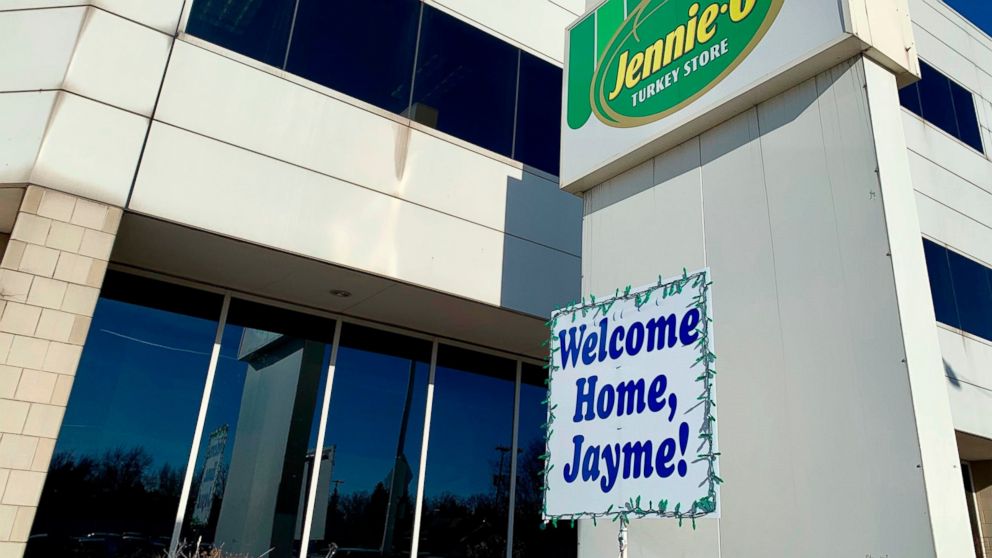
[632,460]
[654,335]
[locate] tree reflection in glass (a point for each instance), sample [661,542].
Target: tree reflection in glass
[468,461]
[113,485]
[367,486]
[530,538]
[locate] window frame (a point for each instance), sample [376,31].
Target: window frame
[340,321]
[185,36]
[952,83]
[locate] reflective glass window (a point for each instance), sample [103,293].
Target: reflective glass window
[538,136]
[909,97]
[114,482]
[367,487]
[333,45]
[465,82]
[529,537]
[258,29]
[973,294]
[964,110]
[941,287]
[945,104]
[935,98]
[249,485]
[466,490]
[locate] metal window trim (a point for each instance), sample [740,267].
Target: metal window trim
[309,310]
[319,446]
[200,424]
[514,448]
[424,444]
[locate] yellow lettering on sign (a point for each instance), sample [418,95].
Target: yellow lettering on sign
[635,65]
[740,9]
[621,74]
[706,27]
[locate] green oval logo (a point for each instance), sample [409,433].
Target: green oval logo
[668,53]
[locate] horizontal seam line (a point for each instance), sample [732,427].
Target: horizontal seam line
[965,215]
[938,164]
[296,165]
[80,95]
[360,105]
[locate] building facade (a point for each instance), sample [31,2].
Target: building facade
[240,232]
[237,232]
[839,208]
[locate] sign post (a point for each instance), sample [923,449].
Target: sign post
[631,429]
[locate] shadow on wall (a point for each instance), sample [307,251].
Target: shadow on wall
[951,376]
[542,246]
[768,121]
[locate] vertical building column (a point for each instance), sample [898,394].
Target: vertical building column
[50,278]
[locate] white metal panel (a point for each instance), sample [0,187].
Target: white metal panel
[35,47]
[966,235]
[36,4]
[216,187]
[90,149]
[819,195]
[885,25]
[972,201]
[970,405]
[24,117]
[949,60]
[938,448]
[967,360]
[210,94]
[937,145]
[740,253]
[538,25]
[937,24]
[927,11]
[645,223]
[159,14]
[536,279]
[118,62]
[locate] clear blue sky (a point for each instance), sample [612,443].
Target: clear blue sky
[978,11]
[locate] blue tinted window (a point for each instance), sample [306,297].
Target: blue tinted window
[538,114]
[973,294]
[935,98]
[465,82]
[467,483]
[258,29]
[940,284]
[127,433]
[964,110]
[258,438]
[333,46]
[909,97]
[945,104]
[529,538]
[368,483]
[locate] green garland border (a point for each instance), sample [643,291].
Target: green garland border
[705,452]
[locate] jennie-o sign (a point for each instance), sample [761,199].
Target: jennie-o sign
[667,53]
[636,70]
[631,426]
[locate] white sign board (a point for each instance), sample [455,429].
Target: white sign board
[632,428]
